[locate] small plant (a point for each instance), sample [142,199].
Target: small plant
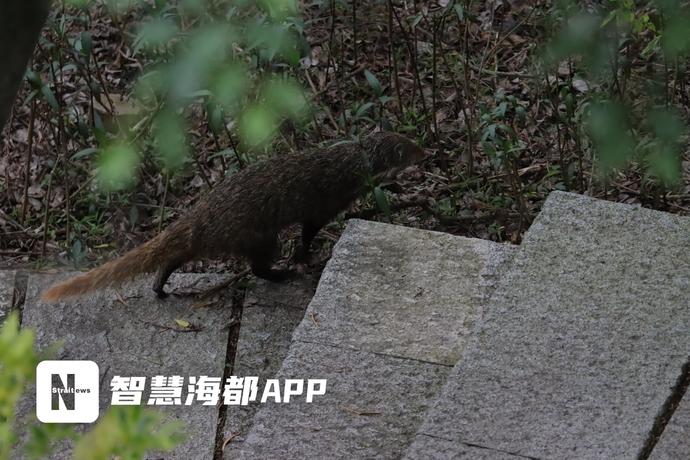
[501,142]
[627,119]
[122,432]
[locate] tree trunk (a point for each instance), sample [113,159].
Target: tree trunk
[20,25]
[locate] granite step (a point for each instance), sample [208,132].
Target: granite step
[581,345]
[390,317]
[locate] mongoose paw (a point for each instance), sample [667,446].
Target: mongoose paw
[274,275]
[302,256]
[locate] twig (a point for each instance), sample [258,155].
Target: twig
[394,59]
[331,35]
[165,197]
[47,206]
[370,212]
[354,29]
[413,56]
[202,172]
[312,317]
[19,254]
[11,221]
[233,146]
[351,74]
[325,107]
[228,439]
[358,412]
[437,26]
[191,328]
[29,151]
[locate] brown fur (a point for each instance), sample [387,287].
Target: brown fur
[243,214]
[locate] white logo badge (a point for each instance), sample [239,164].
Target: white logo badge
[67,391]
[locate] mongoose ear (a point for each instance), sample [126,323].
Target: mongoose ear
[399,150]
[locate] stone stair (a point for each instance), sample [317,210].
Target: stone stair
[579,353]
[389,319]
[574,345]
[582,345]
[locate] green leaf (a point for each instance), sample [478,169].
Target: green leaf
[50,98]
[223,153]
[117,167]
[17,369]
[86,44]
[195,7]
[651,47]
[81,4]
[183,323]
[43,435]
[155,34]
[363,109]
[207,48]
[665,164]
[460,11]
[382,201]
[284,97]
[665,156]
[609,130]
[34,79]
[229,85]
[279,9]
[214,114]
[76,253]
[128,432]
[84,153]
[374,82]
[676,39]
[169,130]
[258,125]
[134,215]
[271,40]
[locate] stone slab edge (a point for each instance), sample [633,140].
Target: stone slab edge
[340,316]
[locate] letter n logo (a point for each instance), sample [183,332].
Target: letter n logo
[65,392]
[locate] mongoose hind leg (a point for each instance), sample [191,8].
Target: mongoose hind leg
[162,276]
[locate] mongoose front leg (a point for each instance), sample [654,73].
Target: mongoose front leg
[261,258]
[271,274]
[309,232]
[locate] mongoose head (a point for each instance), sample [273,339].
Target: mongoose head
[390,153]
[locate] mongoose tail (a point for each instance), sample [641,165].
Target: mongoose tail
[142,259]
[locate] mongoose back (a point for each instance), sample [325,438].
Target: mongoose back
[243,215]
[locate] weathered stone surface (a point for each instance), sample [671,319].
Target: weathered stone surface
[131,335]
[294,293]
[372,406]
[389,317]
[6,292]
[674,442]
[270,314]
[582,339]
[428,448]
[402,291]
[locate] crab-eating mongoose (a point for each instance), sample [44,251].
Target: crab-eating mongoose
[243,215]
